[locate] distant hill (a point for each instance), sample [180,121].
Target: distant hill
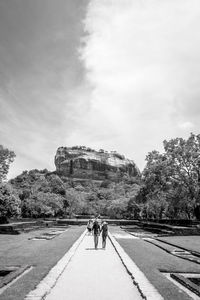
[83,162]
[85,182]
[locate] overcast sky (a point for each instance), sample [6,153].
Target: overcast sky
[114,74]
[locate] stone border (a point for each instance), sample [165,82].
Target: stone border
[146,289]
[48,282]
[195,253]
[16,273]
[186,283]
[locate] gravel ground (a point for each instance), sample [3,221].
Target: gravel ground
[41,254]
[150,259]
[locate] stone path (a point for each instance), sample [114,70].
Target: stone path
[94,275]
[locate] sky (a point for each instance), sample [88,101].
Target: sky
[120,75]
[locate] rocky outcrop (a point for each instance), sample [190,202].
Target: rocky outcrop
[86,163]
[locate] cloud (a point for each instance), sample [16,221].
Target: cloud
[120,75]
[41,78]
[142,60]
[186,125]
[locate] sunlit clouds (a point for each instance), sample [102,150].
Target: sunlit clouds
[142,59]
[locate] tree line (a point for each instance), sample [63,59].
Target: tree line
[169,187]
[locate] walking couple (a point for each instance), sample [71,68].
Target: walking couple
[97,229]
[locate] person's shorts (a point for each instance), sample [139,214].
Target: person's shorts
[89,229]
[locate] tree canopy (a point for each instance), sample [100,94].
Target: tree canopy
[168,188]
[174,177]
[6,157]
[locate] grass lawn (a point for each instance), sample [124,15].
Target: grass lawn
[41,254]
[188,242]
[150,259]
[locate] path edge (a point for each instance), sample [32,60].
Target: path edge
[48,282]
[146,289]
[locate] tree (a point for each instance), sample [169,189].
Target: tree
[157,205]
[74,202]
[56,184]
[133,209]
[118,208]
[184,158]
[6,157]
[175,174]
[42,205]
[9,202]
[156,172]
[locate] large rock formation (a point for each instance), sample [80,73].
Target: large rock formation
[82,162]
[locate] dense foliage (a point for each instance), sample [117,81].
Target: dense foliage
[10,204]
[44,194]
[9,200]
[169,188]
[172,179]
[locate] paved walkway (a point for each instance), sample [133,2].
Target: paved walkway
[94,275]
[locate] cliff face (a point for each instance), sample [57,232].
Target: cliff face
[82,162]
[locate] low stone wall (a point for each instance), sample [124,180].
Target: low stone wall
[174,222]
[170,229]
[18,227]
[109,221]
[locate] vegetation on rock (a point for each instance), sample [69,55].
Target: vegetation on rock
[168,188]
[44,194]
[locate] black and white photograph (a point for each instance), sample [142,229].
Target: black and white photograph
[99,149]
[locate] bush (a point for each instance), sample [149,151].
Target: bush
[9,202]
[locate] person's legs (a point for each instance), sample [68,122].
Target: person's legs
[95,240]
[104,241]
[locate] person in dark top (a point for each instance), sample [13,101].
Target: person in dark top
[96,232]
[104,231]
